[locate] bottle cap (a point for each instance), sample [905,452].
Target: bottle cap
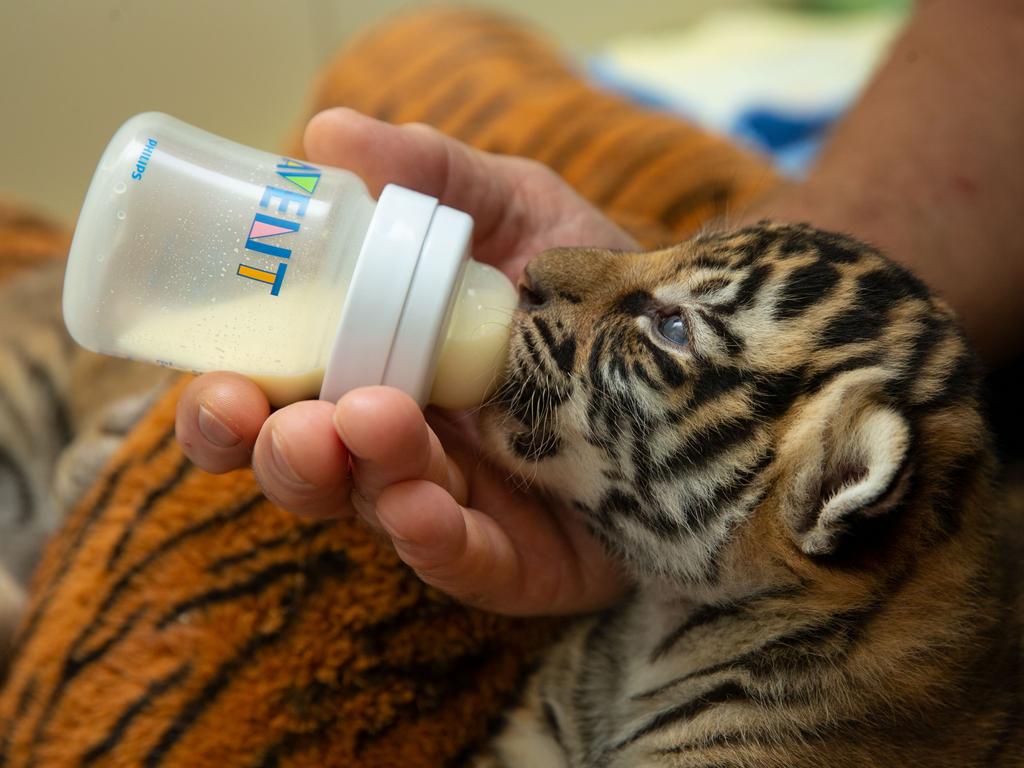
[400,297]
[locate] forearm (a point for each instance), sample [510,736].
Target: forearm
[929,165]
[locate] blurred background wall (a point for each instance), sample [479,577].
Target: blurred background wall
[72,70]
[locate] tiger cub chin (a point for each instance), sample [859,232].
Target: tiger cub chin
[777,431]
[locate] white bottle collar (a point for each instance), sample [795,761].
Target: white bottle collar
[400,298]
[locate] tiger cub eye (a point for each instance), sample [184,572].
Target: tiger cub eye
[673,329]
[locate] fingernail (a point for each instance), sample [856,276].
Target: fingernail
[281,463]
[215,430]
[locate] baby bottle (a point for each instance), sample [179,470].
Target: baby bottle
[201,254]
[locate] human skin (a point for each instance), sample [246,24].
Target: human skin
[929,166]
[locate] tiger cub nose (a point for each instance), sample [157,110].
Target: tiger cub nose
[573,275]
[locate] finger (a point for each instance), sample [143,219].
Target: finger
[300,462]
[218,418]
[389,440]
[460,551]
[516,559]
[417,157]
[519,206]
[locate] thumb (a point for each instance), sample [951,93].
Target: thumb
[517,559]
[420,158]
[459,550]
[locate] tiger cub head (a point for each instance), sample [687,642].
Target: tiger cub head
[739,403]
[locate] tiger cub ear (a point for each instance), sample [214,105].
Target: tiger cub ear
[845,460]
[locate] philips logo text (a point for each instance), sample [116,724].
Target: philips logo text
[143,161]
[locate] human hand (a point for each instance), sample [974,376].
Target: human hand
[453,518]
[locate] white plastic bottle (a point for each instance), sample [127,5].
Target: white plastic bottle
[201,254]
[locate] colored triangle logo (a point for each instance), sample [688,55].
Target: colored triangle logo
[304,181]
[265,229]
[289,163]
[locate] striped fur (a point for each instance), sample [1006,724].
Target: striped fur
[802,492]
[55,436]
[498,85]
[182,619]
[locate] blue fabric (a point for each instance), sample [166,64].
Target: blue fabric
[791,139]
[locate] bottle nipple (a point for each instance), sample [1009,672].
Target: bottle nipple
[476,339]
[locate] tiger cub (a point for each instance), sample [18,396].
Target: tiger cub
[777,431]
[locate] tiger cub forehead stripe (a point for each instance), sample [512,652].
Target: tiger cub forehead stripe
[804,287]
[636,303]
[749,288]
